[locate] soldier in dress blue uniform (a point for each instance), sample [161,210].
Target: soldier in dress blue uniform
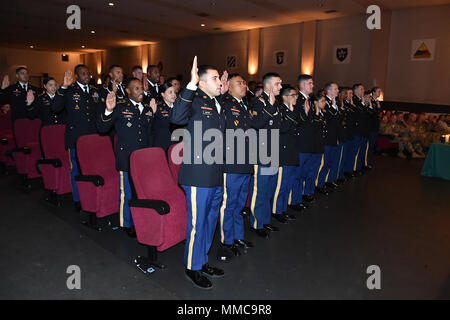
[136,72]
[308,117]
[329,170]
[350,149]
[362,128]
[81,103]
[343,134]
[266,116]
[320,132]
[236,179]
[132,120]
[42,105]
[115,84]
[202,182]
[374,111]
[163,127]
[18,95]
[151,83]
[288,170]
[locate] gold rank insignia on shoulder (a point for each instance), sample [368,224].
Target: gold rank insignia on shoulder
[255,113]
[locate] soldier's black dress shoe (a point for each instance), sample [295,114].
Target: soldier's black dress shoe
[263,233]
[131,232]
[296,207]
[308,198]
[322,190]
[280,218]
[226,252]
[331,185]
[198,279]
[243,244]
[340,181]
[289,217]
[212,272]
[271,228]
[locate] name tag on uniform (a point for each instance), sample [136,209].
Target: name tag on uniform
[206,111]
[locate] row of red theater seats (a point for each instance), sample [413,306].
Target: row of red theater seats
[159,212]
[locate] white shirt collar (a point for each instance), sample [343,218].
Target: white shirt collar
[23,84]
[50,95]
[170,105]
[151,83]
[83,85]
[306,97]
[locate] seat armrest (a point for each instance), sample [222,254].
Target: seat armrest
[56,163]
[161,207]
[96,180]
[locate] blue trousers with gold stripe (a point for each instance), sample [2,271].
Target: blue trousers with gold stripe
[340,171]
[203,209]
[73,173]
[363,147]
[261,196]
[349,155]
[285,182]
[125,195]
[329,169]
[296,193]
[310,164]
[234,199]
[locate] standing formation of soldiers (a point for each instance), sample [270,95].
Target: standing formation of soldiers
[321,140]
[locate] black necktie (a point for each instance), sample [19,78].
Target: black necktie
[24,87]
[85,89]
[243,105]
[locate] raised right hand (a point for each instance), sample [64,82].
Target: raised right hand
[194,72]
[67,79]
[111,101]
[5,82]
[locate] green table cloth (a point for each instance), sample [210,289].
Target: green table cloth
[437,163]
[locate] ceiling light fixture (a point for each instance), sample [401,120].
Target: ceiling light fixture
[92,31]
[31,47]
[83,47]
[111,4]
[203,25]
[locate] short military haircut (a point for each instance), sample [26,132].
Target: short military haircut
[328,85]
[112,67]
[20,69]
[136,68]
[268,76]
[374,89]
[286,90]
[130,80]
[171,79]
[203,70]
[152,66]
[367,92]
[79,66]
[234,75]
[303,77]
[356,85]
[47,79]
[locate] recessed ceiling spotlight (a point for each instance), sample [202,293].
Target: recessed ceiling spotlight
[111,4]
[83,47]
[31,47]
[92,31]
[203,25]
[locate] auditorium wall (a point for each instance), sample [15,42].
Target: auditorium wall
[419,81]
[38,62]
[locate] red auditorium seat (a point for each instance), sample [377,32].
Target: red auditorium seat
[55,167]
[28,149]
[159,212]
[7,142]
[175,159]
[98,183]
